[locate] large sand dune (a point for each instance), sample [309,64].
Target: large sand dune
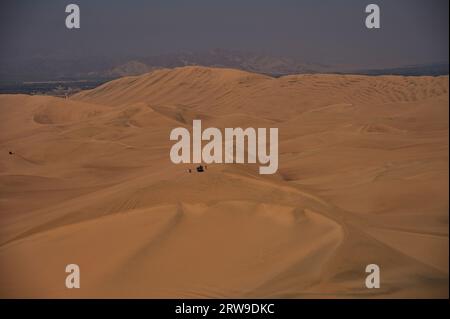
[362,178]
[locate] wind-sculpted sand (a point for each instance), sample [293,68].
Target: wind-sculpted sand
[362,179]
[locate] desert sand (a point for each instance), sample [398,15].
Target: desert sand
[363,178]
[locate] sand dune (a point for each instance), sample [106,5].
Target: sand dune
[362,178]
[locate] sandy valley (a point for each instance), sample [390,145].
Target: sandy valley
[362,178]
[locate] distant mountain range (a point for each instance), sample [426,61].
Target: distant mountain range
[52,69]
[411,70]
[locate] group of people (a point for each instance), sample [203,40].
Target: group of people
[199,169]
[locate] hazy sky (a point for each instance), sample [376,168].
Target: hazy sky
[322,31]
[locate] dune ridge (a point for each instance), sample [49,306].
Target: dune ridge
[362,178]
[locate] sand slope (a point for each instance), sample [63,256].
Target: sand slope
[363,178]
